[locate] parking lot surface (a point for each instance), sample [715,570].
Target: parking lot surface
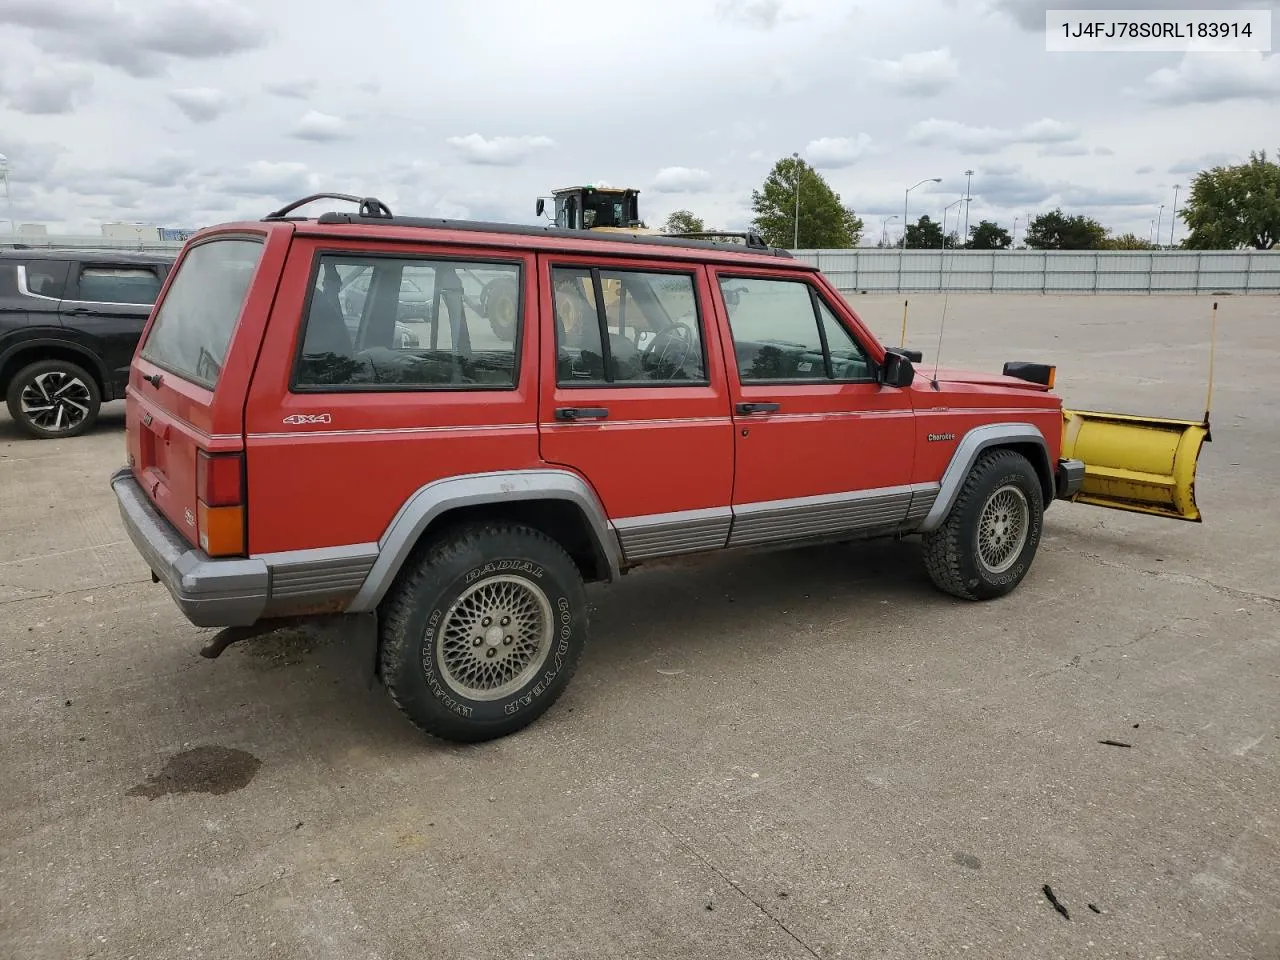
[790,754]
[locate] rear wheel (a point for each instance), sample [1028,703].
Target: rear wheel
[49,399]
[483,631]
[985,546]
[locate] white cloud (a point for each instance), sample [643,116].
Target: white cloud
[497,151]
[681,180]
[302,89]
[1216,78]
[320,127]
[48,89]
[918,74]
[835,152]
[986,140]
[201,104]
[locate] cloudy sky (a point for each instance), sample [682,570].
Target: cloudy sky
[187,112]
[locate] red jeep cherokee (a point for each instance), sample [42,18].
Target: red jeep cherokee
[289,457]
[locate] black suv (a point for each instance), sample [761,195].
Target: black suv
[69,323]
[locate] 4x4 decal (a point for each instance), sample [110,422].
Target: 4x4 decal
[308,418]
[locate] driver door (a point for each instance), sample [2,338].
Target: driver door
[634,397]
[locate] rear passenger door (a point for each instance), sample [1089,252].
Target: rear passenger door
[110,303]
[822,447]
[634,397]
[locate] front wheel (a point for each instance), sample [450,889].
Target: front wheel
[985,546]
[50,399]
[482,633]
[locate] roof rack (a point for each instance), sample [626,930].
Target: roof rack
[371,210]
[748,237]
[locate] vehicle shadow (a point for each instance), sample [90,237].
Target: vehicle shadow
[740,604]
[110,420]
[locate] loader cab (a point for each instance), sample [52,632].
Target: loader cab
[595,208]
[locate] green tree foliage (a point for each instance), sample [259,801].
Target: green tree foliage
[924,234]
[825,222]
[1230,207]
[684,221]
[988,235]
[1056,231]
[1127,241]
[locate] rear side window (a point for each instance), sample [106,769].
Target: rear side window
[194,323]
[410,323]
[118,284]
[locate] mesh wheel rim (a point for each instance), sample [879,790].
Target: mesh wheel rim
[1002,528]
[507,615]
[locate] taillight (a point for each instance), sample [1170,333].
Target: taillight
[220,507]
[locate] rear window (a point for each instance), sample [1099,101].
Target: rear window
[194,322]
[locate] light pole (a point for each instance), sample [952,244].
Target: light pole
[884,229]
[1173,217]
[1013,237]
[1159,222]
[905,197]
[795,242]
[964,237]
[8,198]
[944,220]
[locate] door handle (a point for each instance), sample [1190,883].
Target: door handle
[78,312]
[581,413]
[749,408]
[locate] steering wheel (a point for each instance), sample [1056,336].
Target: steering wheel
[677,338]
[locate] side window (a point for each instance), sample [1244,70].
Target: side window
[118,284]
[649,332]
[783,331]
[46,278]
[397,323]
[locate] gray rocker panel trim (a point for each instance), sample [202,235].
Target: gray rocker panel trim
[434,499]
[667,534]
[966,454]
[781,520]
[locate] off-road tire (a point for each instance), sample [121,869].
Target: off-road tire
[951,551]
[417,609]
[87,395]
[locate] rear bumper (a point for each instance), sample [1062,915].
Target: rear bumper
[210,593]
[1070,475]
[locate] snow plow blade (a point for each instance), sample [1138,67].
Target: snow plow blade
[1139,464]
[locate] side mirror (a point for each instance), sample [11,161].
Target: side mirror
[897,370]
[542,205]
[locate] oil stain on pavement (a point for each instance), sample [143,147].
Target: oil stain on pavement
[215,770]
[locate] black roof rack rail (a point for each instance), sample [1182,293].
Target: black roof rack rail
[370,207]
[372,210]
[749,237]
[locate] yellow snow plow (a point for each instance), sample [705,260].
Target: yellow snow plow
[1140,464]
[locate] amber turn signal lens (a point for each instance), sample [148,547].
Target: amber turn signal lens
[221,530]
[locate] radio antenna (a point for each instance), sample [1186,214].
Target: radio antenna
[946,299]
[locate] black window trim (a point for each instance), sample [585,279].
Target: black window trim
[185,375]
[815,298]
[300,329]
[593,266]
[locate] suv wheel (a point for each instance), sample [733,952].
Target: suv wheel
[986,544]
[54,398]
[483,631]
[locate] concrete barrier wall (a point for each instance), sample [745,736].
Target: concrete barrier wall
[1052,272]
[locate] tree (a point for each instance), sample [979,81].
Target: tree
[825,222]
[683,221]
[1056,231]
[1127,241]
[988,235]
[924,234]
[1230,207]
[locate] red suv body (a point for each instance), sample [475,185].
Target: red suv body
[576,405]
